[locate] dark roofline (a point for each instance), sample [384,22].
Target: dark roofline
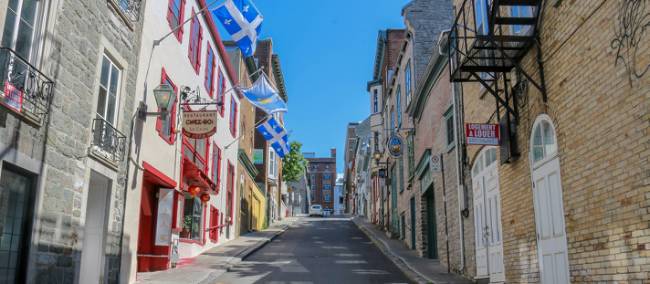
[279,76]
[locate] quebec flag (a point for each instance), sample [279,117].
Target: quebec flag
[264,96]
[273,132]
[242,21]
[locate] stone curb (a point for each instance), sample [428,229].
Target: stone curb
[409,271]
[241,256]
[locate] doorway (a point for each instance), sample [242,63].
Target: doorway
[93,256]
[487,216]
[548,203]
[412,222]
[431,225]
[16,212]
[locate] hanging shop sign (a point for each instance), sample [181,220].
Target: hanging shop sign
[199,124]
[258,156]
[395,146]
[482,134]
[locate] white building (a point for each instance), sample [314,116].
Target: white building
[164,221]
[339,196]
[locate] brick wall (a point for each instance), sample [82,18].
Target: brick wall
[601,118]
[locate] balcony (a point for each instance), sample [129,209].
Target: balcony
[129,9]
[108,143]
[25,90]
[491,36]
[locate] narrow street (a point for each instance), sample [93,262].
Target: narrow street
[317,250]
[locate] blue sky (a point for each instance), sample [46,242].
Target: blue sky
[326,50]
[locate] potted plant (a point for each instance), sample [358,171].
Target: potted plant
[187,224]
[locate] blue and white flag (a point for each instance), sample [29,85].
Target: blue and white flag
[275,134]
[264,96]
[242,21]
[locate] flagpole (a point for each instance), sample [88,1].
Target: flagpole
[254,126]
[174,30]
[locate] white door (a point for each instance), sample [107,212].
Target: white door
[487,217]
[549,210]
[93,252]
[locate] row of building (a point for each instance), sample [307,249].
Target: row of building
[97,182]
[510,139]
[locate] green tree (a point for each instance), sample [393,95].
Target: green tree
[294,164]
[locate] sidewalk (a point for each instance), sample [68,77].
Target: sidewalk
[206,267]
[418,269]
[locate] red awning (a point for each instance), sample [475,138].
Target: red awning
[194,176]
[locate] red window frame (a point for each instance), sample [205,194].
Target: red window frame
[231,190]
[170,17]
[196,38]
[209,70]
[172,114]
[214,224]
[221,91]
[234,108]
[203,158]
[216,166]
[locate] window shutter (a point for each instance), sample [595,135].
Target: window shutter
[181,19]
[170,13]
[197,53]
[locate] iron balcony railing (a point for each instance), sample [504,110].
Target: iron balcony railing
[491,36]
[23,88]
[108,142]
[130,8]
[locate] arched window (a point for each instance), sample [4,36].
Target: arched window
[544,144]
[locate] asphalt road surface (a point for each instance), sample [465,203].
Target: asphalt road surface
[317,250]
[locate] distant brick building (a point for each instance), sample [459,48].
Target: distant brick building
[321,173]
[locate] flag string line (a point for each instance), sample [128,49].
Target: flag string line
[175,29]
[253,130]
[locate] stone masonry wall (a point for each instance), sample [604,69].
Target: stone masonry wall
[74,52]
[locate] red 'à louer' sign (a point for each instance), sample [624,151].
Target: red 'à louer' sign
[482,134]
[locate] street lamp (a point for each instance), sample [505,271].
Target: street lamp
[165,99]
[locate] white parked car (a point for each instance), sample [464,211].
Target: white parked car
[316,210]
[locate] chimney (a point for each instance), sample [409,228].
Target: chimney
[333,152]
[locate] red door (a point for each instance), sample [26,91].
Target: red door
[150,256]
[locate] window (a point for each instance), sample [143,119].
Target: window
[216,166]
[233,116]
[411,153]
[192,215]
[327,186]
[221,90]
[407,82]
[449,125]
[214,224]
[544,144]
[481,14]
[230,195]
[196,150]
[400,168]
[327,176]
[175,11]
[375,102]
[109,85]
[209,71]
[398,104]
[21,32]
[166,127]
[312,195]
[327,196]
[272,163]
[196,37]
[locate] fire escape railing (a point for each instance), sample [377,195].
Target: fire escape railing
[24,89]
[130,8]
[487,41]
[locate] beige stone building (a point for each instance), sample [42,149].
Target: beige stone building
[564,197]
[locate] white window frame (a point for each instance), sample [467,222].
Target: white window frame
[40,18]
[111,65]
[272,163]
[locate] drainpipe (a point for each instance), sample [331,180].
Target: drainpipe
[459,174]
[444,200]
